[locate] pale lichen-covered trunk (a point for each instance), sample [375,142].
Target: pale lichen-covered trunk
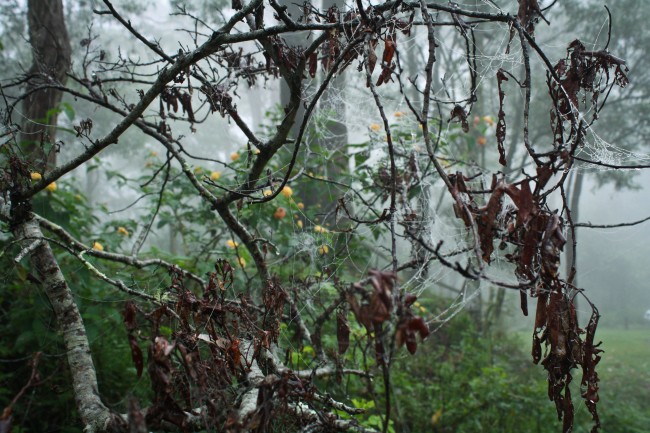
[94,414]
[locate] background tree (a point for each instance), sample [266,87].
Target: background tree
[51,62]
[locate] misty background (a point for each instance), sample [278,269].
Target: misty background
[612,264]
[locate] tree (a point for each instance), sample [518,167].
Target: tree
[230,350]
[51,62]
[625,135]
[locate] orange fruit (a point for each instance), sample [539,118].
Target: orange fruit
[280,213]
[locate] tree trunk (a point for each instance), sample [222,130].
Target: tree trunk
[571,260]
[51,62]
[333,140]
[94,414]
[293,40]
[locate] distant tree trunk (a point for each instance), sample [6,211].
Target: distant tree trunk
[571,260]
[333,140]
[335,108]
[293,39]
[51,62]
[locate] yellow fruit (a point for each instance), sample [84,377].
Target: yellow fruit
[123,231]
[267,192]
[488,120]
[436,417]
[241,262]
[51,187]
[197,170]
[234,156]
[153,153]
[215,175]
[36,176]
[231,244]
[398,114]
[375,126]
[287,191]
[299,224]
[97,246]
[256,151]
[320,229]
[301,206]
[481,141]
[280,213]
[323,249]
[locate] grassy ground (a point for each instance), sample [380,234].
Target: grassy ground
[624,373]
[626,357]
[625,380]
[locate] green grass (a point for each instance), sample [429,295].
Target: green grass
[624,372]
[625,380]
[626,357]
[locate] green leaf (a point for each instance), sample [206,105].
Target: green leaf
[414,192]
[68,110]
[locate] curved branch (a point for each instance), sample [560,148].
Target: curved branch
[114,257]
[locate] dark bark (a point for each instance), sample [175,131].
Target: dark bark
[51,61]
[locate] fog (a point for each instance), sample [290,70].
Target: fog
[611,263]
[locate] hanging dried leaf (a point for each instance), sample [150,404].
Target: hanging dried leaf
[136,355]
[313,64]
[186,103]
[389,49]
[386,75]
[459,113]
[540,315]
[409,325]
[528,16]
[129,316]
[487,224]
[537,348]
[372,56]
[501,122]
[342,332]
[523,302]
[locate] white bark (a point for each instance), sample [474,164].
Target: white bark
[94,414]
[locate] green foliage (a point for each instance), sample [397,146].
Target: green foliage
[28,325]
